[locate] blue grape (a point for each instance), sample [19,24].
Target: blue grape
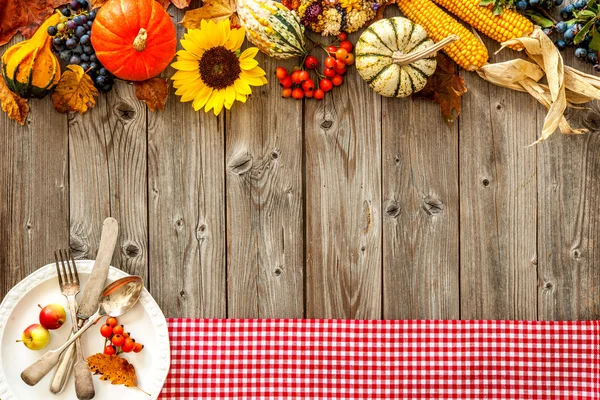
[592,57]
[71,43]
[560,44]
[74,4]
[89,50]
[78,50]
[84,57]
[561,27]
[65,55]
[77,19]
[92,15]
[85,66]
[57,41]
[89,23]
[74,60]
[84,18]
[85,39]
[52,31]
[65,11]
[101,80]
[521,5]
[94,65]
[71,25]
[84,4]
[80,31]
[93,57]
[580,53]
[103,71]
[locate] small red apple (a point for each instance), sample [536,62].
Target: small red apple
[35,337]
[53,316]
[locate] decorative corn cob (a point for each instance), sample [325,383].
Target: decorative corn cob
[468,51]
[508,25]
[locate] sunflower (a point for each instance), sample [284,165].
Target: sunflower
[212,71]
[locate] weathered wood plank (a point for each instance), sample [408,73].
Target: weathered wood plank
[34,190]
[108,178]
[569,218]
[264,203]
[498,199]
[343,202]
[420,212]
[186,208]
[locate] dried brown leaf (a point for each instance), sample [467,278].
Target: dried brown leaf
[13,105]
[216,10]
[75,91]
[153,92]
[24,16]
[113,368]
[444,87]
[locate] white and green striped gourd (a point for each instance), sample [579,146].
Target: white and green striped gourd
[271,27]
[396,57]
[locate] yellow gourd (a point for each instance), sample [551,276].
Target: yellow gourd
[29,68]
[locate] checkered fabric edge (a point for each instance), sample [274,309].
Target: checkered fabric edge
[350,359]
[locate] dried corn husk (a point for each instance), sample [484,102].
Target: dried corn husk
[565,86]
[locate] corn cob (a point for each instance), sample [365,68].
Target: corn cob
[468,51]
[508,25]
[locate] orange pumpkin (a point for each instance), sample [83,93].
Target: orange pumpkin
[134,39]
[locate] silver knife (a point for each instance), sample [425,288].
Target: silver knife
[88,305]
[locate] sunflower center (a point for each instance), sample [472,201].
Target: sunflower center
[219,67]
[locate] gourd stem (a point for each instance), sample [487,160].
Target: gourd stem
[140,40]
[404,59]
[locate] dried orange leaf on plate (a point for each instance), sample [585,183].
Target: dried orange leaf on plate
[75,91]
[24,16]
[216,10]
[16,107]
[153,92]
[444,87]
[113,368]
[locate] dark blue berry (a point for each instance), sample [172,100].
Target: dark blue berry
[101,80]
[84,4]
[92,15]
[89,50]
[93,57]
[569,34]
[74,60]
[74,4]
[597,67]
[561,27]
[65,55]
[52,31]
[560,44]
[521,5]
[558,2]
[84,57]
[71,25]
[580,53]
[547,31]
[85,39]
[89,24]
[78,50]
[85,66]
[57,42]
[103,71]
[94,65]
[71,43]
[579,4]
[83,19]
[80,31]
[592,57]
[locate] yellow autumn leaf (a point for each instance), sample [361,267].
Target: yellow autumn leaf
[16,107]
[216,10]
[75,91]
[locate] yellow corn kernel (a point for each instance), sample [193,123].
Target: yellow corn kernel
[506,26]
[468,51]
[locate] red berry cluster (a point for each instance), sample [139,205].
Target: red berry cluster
[116,340]
[299,84]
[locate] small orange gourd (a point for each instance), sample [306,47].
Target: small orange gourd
[134,39]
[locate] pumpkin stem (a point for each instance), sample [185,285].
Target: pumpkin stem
[404,59]
[140,40]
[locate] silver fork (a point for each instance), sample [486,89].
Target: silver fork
[68,278]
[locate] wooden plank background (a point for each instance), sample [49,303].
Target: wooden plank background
[354,207]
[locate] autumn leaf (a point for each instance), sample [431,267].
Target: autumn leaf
[216,10]
[113,368]
[13,105]
[75,91]
[153,92]
[24,16]
[444,87]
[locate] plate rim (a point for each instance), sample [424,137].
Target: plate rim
[48,272]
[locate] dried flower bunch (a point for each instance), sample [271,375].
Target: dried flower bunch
[330,17]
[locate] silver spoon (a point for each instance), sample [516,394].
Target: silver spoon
[115,300]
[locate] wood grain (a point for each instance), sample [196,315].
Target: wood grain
[34,190]
[343,202]
[498,199]
[108,178]
[264,204]
[420,212]
[186,209]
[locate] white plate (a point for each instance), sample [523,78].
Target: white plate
[19,309]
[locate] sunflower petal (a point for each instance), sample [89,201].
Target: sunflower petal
[250,52]
[229,97]
[185,65]
[255,72]
[248,63]
[236,39]
[202,97]
[241,97]
[250,80]
[218,101]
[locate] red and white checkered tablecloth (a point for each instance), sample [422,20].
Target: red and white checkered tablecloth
[344,359]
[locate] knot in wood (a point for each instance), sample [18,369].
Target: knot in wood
[79,246]
[240,164]
[576,254]
[433,206]
[485,182]
[326,124]
[131,250]
[392,209]
[125,111]
[278,271]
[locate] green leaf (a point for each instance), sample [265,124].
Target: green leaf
[497,9]
[581,35]
[586,14]
[484,3]
[595,43]
[539,19]
[591,4]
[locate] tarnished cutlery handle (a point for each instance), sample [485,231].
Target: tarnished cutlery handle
[63,371]
[84,385]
